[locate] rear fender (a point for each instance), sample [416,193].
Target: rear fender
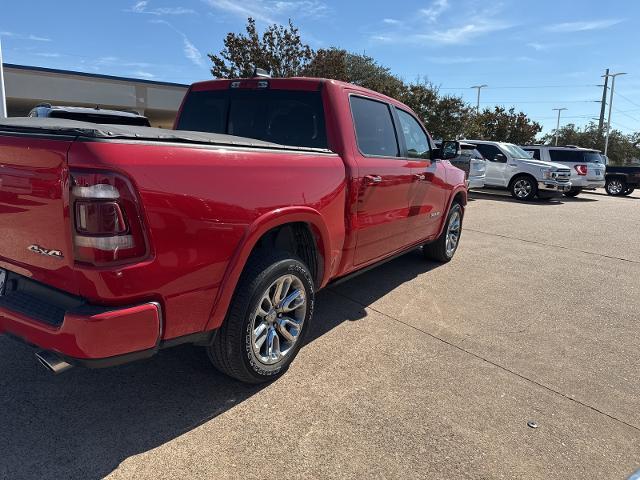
[255,232]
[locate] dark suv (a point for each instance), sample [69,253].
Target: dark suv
[92,115]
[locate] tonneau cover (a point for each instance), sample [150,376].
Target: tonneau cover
[74,128]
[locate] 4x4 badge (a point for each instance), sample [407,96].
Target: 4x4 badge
[44,251]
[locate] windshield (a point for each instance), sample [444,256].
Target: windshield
[515,151]
[101,118]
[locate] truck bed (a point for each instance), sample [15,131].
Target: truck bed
[75,129]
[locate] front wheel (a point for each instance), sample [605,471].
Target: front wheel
[615,186]
[573,192]
[524,188]
[445,246]
[267,321]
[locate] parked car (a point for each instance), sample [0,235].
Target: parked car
[508,166]
[126,240]
[622,180]
[471,162]
[587,165]
[93,115]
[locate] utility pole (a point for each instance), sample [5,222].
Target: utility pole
[558,124]
[603,105]
[3,95]
[479,87]
[613,84]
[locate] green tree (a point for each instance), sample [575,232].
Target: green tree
[280,50]
[359,69]
[500,124]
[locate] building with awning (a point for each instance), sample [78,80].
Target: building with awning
[28,86]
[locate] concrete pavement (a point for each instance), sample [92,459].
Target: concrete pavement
[414,370]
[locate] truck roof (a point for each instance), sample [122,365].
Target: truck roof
[292,83]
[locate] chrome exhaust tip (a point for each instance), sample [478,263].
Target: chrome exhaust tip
[52,362]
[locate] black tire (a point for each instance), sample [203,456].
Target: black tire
[437,250]
[615,186]
[629,191]
[574,192]
[232,351]
[523,187]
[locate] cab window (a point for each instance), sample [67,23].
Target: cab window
[375,132]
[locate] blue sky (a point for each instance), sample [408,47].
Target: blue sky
[534,55]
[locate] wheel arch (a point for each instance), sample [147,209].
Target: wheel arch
[460,195]
[520,175]
[280,228]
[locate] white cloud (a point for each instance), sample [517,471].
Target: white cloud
[190,50]
[582,26]
[391,21]
[269,11]
[142,7]
[435,10]
[143,74]
[48,54]
[21,36]
[462,60]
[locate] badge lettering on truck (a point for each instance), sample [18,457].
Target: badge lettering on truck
[44,251]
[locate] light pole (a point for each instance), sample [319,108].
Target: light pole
[613,84]
[558,124]
[3,97]
[478,87]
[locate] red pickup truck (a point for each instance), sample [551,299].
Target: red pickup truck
[118,241]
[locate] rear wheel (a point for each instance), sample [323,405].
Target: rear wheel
[575,191]
[445,246]
[524,188]
[615,186]
[267,321]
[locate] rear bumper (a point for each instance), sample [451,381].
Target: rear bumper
[79,332]
[587,184]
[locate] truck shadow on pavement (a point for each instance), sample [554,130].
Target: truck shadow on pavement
[84,423]
[503,196]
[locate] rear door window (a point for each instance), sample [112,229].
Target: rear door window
[535,152]
[565,156]
[375,132]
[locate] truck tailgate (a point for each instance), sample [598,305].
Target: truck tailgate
[35,239]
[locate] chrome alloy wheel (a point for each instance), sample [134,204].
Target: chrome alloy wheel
[614,187]
[278,320]
[522,188]
[453,233]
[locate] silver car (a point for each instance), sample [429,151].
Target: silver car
[587,167]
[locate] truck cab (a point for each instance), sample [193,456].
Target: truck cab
[510,167]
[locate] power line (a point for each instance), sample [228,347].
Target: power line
[543,101]
[626,115]
[523,86]
[629,100]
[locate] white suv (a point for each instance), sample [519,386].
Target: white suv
[587,165]
[508,166]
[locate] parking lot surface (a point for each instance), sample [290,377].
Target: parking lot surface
[413,370]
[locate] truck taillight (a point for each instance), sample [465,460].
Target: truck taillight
[581,169]
[107,221]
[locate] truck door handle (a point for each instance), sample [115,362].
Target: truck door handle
[373,178]
[420,176]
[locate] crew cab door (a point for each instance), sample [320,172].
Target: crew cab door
[384,181]
[428,194]
[496,172]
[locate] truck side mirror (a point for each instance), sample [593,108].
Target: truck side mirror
[500,157]
[450,149]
